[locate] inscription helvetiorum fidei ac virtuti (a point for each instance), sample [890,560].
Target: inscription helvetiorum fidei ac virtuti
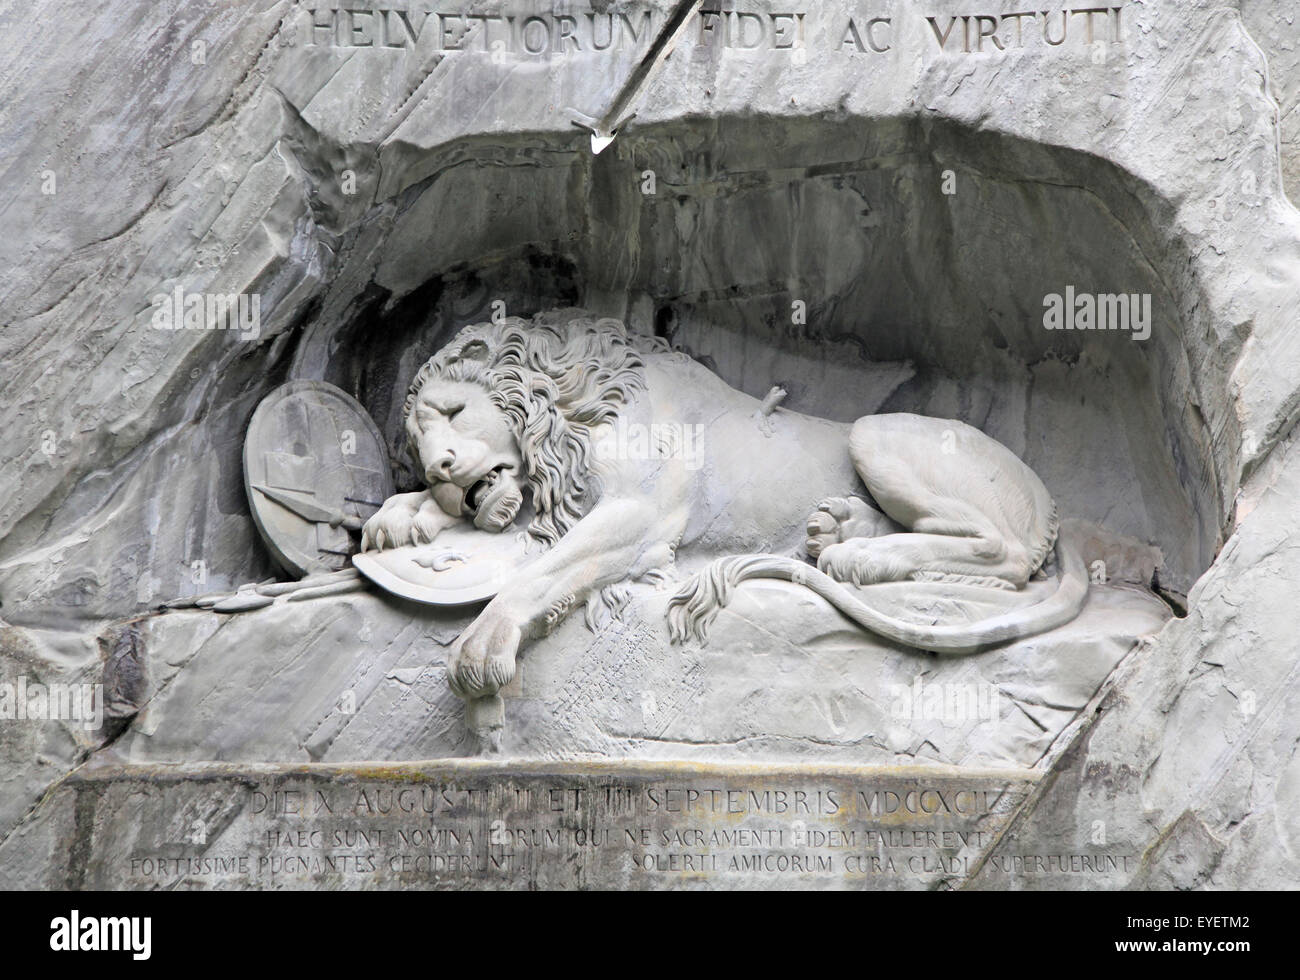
[647,445]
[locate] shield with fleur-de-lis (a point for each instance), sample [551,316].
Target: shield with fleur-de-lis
[462,565]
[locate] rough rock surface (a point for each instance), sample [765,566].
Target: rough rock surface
[362,677]
[1192,759]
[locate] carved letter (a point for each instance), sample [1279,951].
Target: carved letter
[871,33]
[328,27]
[851,34]
[941,38]
[987,27]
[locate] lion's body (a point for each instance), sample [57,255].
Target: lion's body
[750,491]
[666,465]
[754,481]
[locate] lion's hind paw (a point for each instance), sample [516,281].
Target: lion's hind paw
[839,519]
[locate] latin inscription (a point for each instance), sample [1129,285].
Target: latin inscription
[651,825]
[545,34]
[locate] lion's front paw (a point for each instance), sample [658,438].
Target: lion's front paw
[387,529]
[396,524]
[482,660]
[839,519]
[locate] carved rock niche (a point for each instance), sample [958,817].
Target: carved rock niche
[890,265]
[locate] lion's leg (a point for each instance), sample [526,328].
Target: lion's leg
[910,478]
[982,554]
[618,539]
[949,537]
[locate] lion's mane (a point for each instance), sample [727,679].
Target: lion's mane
[556,377]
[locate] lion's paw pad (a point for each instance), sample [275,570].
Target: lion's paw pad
[838,519]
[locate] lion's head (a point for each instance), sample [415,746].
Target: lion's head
[511,405]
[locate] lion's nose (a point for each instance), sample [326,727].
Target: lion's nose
[439,467]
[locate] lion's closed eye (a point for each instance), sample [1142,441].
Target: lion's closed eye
[449,411]
[426,415]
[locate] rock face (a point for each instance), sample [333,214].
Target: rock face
[868,211]
[362,677]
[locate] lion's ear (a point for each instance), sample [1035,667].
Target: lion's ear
[475,350]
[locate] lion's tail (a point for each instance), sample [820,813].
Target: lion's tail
[693,609]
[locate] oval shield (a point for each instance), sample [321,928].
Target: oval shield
[463,565]
[315,469]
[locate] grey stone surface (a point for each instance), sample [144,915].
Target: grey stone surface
[783,677]
[1158,165]
[1191,759]
[1273,27]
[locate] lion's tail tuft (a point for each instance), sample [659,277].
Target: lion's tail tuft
[695,606]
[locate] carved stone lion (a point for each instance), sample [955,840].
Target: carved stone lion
[630,461]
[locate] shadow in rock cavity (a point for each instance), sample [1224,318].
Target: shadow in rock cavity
[902,266]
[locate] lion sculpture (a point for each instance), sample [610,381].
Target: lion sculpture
[631,461]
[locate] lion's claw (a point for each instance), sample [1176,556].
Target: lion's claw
[404,519]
